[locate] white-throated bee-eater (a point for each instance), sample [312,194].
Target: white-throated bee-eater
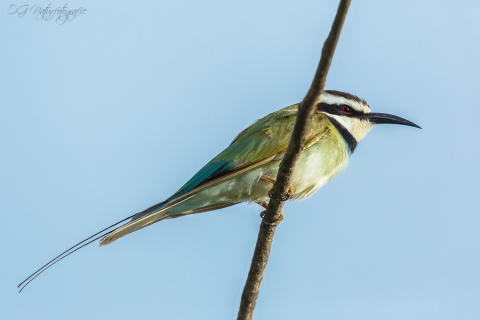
[245,171]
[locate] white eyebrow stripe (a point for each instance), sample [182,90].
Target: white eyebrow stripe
[333,99]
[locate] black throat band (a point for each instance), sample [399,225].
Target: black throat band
[347,136]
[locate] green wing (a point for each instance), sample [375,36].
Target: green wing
[260,144]
[257,145]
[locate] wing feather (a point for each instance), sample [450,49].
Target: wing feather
[259,145]
[266,137]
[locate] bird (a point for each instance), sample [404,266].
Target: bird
[245,171]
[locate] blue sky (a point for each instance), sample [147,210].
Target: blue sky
[112,112]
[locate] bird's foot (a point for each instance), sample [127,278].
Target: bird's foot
[262,215]
[289,194]
[275,223]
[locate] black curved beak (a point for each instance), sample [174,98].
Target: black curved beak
[379,118]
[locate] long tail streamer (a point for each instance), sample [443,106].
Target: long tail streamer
[67,253]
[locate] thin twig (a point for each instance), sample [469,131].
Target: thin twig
[287,166]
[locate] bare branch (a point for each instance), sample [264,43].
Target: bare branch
[287,166]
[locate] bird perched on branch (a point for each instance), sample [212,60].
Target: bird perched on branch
[245,171]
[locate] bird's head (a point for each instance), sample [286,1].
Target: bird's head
[353,115]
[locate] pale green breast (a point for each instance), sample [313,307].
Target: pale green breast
[319,163]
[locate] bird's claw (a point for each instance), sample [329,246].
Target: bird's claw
[288,196]
[275,223]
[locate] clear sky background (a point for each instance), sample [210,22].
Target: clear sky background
[112,112]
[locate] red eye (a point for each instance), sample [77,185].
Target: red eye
[346,109]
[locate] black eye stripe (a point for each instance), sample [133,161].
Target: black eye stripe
[337,109]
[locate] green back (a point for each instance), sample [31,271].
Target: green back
[265,138]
